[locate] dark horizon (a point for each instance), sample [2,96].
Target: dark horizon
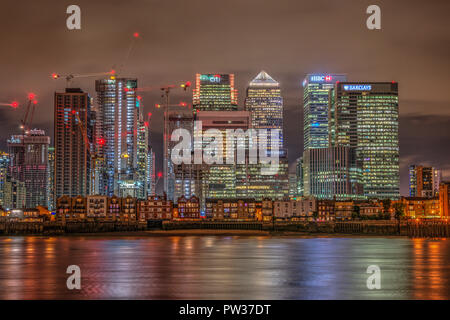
[286,39]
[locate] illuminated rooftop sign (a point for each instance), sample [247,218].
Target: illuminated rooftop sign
[320,78]
[213,78]
[357,87]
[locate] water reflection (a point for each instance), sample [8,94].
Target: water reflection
[223,268]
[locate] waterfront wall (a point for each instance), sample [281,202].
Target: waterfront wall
[56,228]
[386,228]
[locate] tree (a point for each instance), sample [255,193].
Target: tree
[315,215]
[399,210]
[386,205]
[356,212]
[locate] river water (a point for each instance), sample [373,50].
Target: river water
[223,267]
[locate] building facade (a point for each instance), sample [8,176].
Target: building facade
[215,92]
[332,173]
[316,88]
[29,164]
[364,116]
[73,137]
[423,181]
[155,208]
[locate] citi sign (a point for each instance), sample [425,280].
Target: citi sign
[212,78]
[321,78]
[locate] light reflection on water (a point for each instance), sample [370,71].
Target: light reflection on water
[215,267]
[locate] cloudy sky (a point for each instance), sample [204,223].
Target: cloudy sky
[288,39]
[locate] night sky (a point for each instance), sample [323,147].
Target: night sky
[288,39]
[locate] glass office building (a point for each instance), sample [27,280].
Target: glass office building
[215,92]
[116,134]
[364,116]
[316,89]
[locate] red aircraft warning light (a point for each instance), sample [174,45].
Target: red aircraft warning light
[101,142]
[160,174]
[136,34]
[14,104]
[31,96]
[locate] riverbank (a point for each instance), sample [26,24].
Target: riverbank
[228,228]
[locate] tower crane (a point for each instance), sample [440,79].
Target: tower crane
[166,90]
[90,149]
[27,122]
[70,77]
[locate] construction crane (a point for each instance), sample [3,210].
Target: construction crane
[166,90]
[27,122]
[13,104]
[70,77]
[90,149]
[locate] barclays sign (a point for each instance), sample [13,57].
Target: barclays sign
[357,87]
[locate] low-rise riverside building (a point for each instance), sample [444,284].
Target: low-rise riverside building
[299,209]
[343,210]
[418,207]
[244,209]
[155,208]
[188,208]
[370,208]
[96,208]
[266,210]
[325,210]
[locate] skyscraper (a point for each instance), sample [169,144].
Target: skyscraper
[265,103]
[51,178]
[223,181]
[73,136]
[316,89]
[332,173]
[299,174]
[116,133]
[29,165]
[151,172]
[4,172]
[180,182]
[214,92]
[364,116]
[142,177]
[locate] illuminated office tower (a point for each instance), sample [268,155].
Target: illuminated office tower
[215,92]
[364,116]
[178,181]
[423,181]
[116,134]
[265,103]
[71,158]
[4,172]
[151,188]
[51,178]
[316,89]
[29,165]
[223,181]
[142,176]
[299,176]
[332,173]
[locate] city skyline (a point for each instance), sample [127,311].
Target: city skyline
[423,101]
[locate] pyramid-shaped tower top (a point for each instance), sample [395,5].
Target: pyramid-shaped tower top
[263,79]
